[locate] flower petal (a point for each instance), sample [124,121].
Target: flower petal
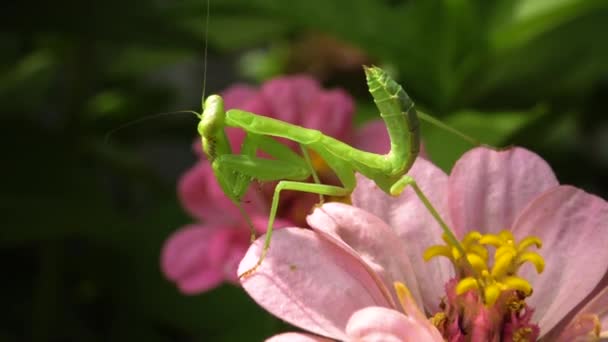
[191,257]
[488,189]
[238,95]
[227,248]
[369,239]
[331,113]
[584,322]
[573,226]
[411,221]
[373,137]
[309,282]
[288,97]
[598,305]
[297,337]
[382,324]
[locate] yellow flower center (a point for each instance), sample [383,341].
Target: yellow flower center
[477,273]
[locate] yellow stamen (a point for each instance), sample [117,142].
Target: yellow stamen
[517,283]
[529,241]
[437,250]
[480,251]
[502,264]
[505,249]
[507,236]
[491,282]
[491,293]
[471,238]
[477,262]
[492,240]
[466,284]
[534,258]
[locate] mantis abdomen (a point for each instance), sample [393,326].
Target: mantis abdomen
[397,111]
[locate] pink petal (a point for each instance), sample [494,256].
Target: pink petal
[260,223]
[309,282]
[288,97]
[297,337]
[227,249]
[238,95]
[488,189]
[197,147]
[598,305]
[382,324]
[583,322]
[583,329]
[411,221]
[369,239]
[573,226]
[191,258]
[373,137]
[236,136]
[331,113]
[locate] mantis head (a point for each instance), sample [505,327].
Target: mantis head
[211,126]
[213,117]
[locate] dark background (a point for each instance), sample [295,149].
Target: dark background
[84,217]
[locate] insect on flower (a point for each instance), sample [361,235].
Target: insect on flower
[235,172]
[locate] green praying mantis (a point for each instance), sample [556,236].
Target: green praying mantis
[235,172]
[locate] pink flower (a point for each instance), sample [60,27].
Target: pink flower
[201,256]
[322,280]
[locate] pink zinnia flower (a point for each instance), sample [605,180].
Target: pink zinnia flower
[200,256]
[354,260]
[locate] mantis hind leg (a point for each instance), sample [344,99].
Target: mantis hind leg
[400,185]
[405,181]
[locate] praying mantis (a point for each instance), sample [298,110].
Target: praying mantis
[235,172]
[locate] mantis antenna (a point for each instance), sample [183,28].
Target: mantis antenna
[205,49]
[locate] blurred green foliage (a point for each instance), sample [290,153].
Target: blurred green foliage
[85,217]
